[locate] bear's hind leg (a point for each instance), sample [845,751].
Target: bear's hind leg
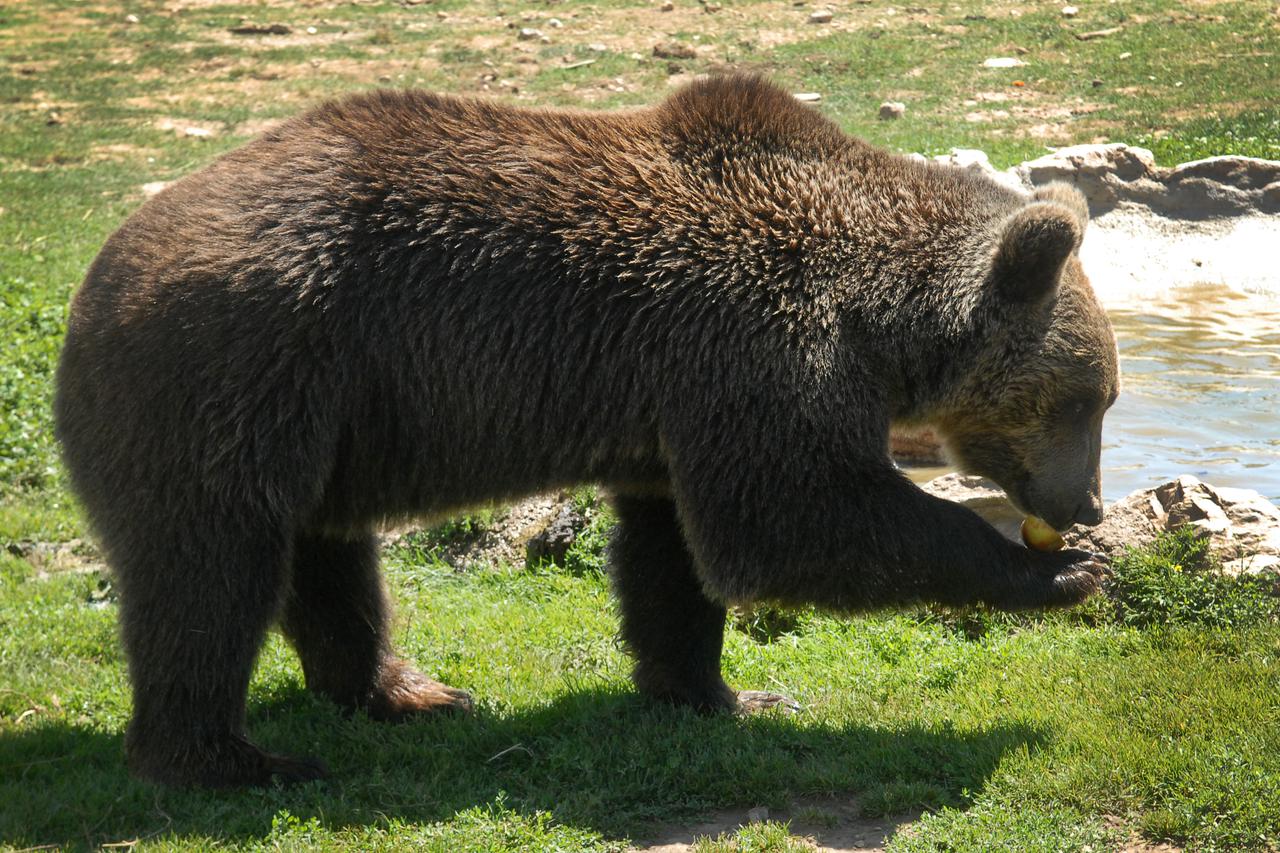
[195,605]
[674,632]
[336,616]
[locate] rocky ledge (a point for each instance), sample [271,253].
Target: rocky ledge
[1115,175]
[1242,526]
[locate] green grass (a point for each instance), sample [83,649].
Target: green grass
[1156,713]
[1045,732]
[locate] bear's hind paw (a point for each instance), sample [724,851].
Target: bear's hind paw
[404,692]
[754,701]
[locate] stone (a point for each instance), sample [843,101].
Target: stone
[529,34]
[890,110]
[552,543]
[972,158]
[251,29]
[983,497]
[1070,11]
[821,16]
[808,97]
[1002,62]
[1271,197]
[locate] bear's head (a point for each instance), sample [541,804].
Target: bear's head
[1028,415]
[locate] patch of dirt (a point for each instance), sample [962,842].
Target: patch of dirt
[831,825]
[1135,843]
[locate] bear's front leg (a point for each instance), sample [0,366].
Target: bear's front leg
[670,626]
[793,499]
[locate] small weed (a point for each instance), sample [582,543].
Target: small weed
[765,623]
[766,837]
[1178,582]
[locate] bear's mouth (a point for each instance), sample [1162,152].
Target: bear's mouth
[1018,494]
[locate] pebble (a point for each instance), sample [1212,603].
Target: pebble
[822,16]
[131,19]
[555,23]
[529,33]
[1002,62]
[667,7]
[1070,11]
[808,97]
[890,110]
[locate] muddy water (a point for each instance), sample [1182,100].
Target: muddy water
[1201,390]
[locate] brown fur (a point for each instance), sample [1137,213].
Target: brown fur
[404,304]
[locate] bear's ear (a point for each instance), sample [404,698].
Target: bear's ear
[1067,196]
[1033,247]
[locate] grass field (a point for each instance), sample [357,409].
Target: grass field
[1158,720]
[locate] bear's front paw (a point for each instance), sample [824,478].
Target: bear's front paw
[1082,578]
[1056,579]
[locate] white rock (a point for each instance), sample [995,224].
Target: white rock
[808,97]
[822,16]
[1070,11]
[1002,62]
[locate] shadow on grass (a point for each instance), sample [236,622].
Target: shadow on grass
[595,759]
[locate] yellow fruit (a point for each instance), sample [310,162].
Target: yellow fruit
[1036,533]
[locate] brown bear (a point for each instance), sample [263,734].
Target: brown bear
[402,304]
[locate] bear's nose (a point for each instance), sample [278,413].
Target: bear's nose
[1089,513]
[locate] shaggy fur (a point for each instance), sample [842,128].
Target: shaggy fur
[403,304]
